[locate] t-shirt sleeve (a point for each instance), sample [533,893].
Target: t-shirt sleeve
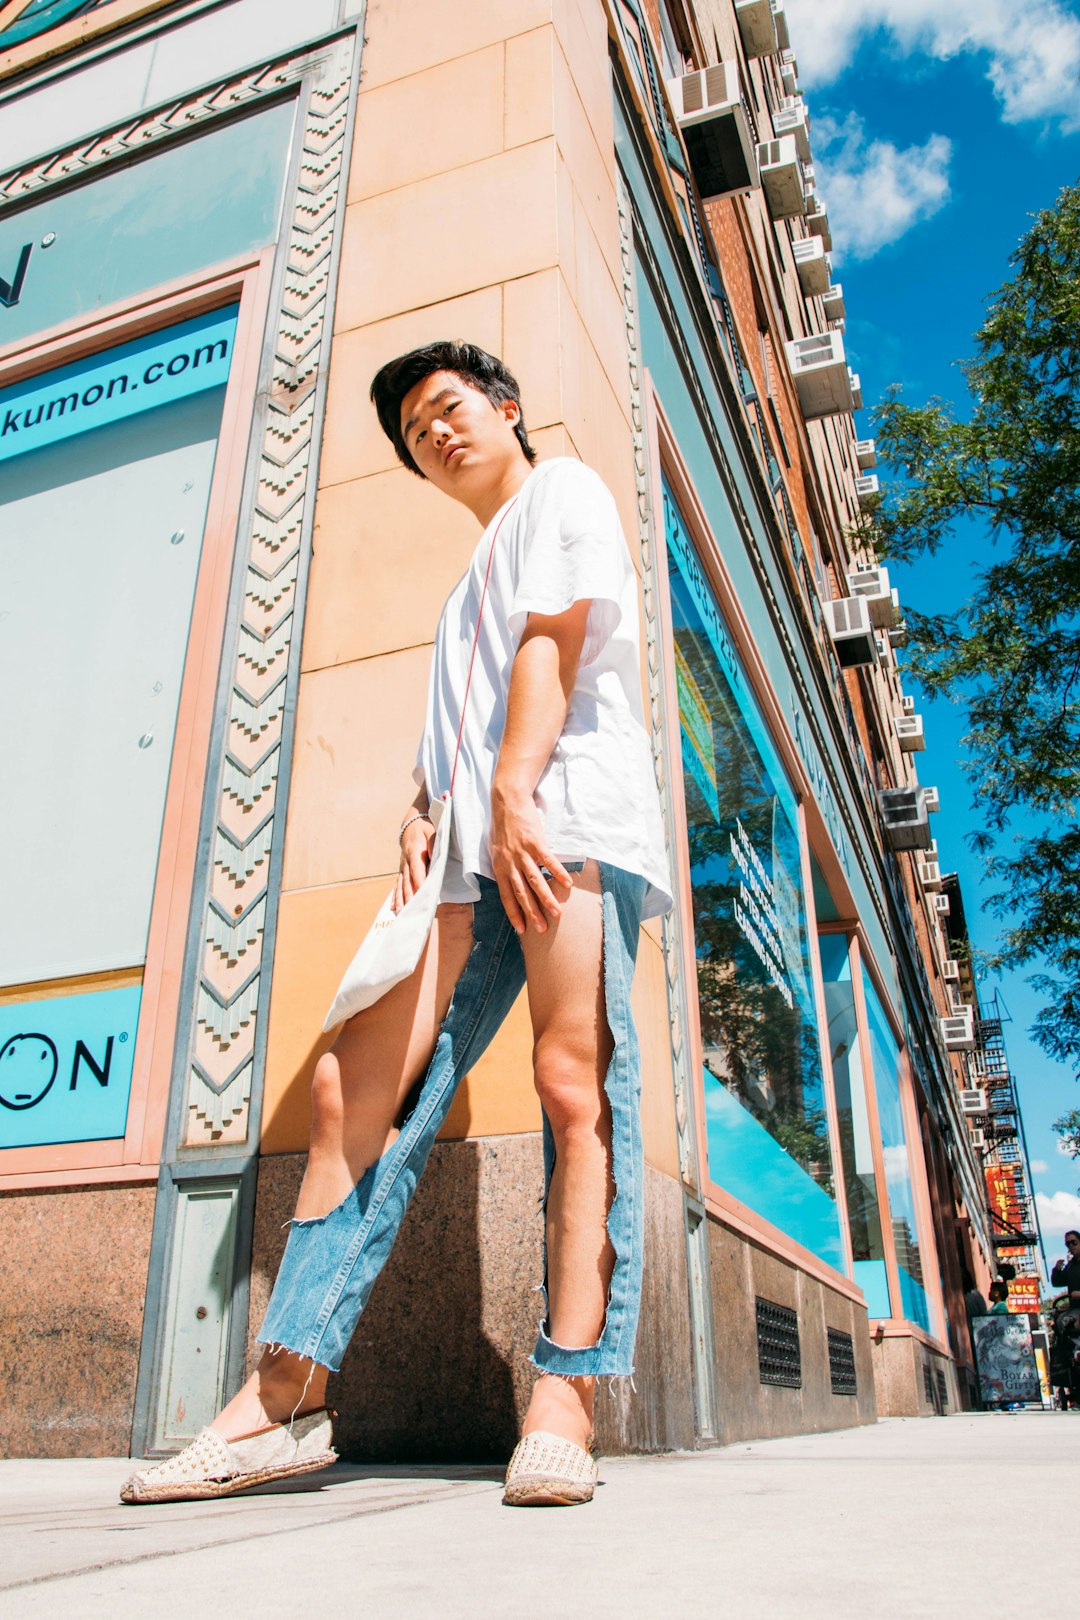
[572,551]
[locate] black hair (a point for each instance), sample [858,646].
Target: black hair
[999,1289]
[1071,1233]
[473,365]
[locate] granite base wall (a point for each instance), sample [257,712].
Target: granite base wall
[438,1368]
[904,1389]
[73,1266]
[748,1409]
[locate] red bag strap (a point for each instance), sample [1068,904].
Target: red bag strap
[476,639]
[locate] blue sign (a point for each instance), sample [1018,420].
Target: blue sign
[65,1067]
[119,382]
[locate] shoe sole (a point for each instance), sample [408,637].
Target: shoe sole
[204,1490]
[546,1493]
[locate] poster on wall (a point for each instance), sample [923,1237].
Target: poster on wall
[1005,1358]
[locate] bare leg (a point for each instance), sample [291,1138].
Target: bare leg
[572,1050]
[359,1091]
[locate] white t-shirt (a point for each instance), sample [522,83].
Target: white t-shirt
[560,543]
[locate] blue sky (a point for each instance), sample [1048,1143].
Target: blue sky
[937,131]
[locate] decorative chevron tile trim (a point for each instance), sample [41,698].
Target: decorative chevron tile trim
[178,117]
[653,653]
[218,1094]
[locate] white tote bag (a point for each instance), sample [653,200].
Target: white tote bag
[395,942]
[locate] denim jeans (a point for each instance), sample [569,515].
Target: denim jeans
[330,1263]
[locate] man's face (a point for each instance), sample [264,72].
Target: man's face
[459,440]
[1072,1246]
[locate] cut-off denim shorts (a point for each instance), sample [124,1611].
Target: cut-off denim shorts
[330,1263]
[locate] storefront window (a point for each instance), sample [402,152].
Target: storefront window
[885,1055]
[768,1141]
[856,1148]
[107,465]
[860,1179]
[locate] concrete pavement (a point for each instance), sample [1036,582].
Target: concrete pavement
[911,1517]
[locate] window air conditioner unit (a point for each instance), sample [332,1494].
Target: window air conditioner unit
[817,220]
[866,453]
[789,73]
[907,705]
[713,122]
[973,1099]
[873,584]
[932,850]
[780,168]
[904,813]
[856,391]
[898,635]
[783,33]
[929,870]
[978,1136]
[813,266]
[959,1032]
[792,118]
[833,302]
[847,619]
[757,27]
[867,488]
[942,905]
[822,379]
[950,970]
[933,802]
[909,730]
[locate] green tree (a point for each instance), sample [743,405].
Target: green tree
[1010,467]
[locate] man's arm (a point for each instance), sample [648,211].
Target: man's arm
[416,841]
[1057,1276]
[541,681]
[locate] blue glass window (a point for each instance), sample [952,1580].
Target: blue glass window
[768,1140]
[885,1055]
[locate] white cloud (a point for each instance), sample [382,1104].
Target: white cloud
[1057,1213]
[1039,1167]
[1063,1148]
[1031,48]
[875,191]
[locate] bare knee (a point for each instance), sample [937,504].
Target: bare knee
[569,1083]
[327,1100]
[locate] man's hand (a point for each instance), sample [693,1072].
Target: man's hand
[416,845]
[518,851]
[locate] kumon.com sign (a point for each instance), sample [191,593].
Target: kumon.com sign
[119,382]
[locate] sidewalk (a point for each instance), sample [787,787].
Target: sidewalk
[911,1517]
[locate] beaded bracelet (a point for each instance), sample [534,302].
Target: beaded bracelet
[421,815]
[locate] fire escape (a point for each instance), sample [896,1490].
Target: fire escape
[993,1110]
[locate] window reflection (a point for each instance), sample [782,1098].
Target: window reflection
[885,1055]
[856,1148]
[768,1140]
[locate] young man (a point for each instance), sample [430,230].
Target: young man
[556,855]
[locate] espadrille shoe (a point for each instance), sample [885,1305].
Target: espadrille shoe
[548,1471]
[211,1466]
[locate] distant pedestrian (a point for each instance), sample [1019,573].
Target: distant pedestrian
[1066,1272]
[999,1298]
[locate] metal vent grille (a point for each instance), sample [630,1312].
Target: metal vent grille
[928,1382]
[779,1360]
[716,84]
[842,1363]
[943,1391]
[692,98]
